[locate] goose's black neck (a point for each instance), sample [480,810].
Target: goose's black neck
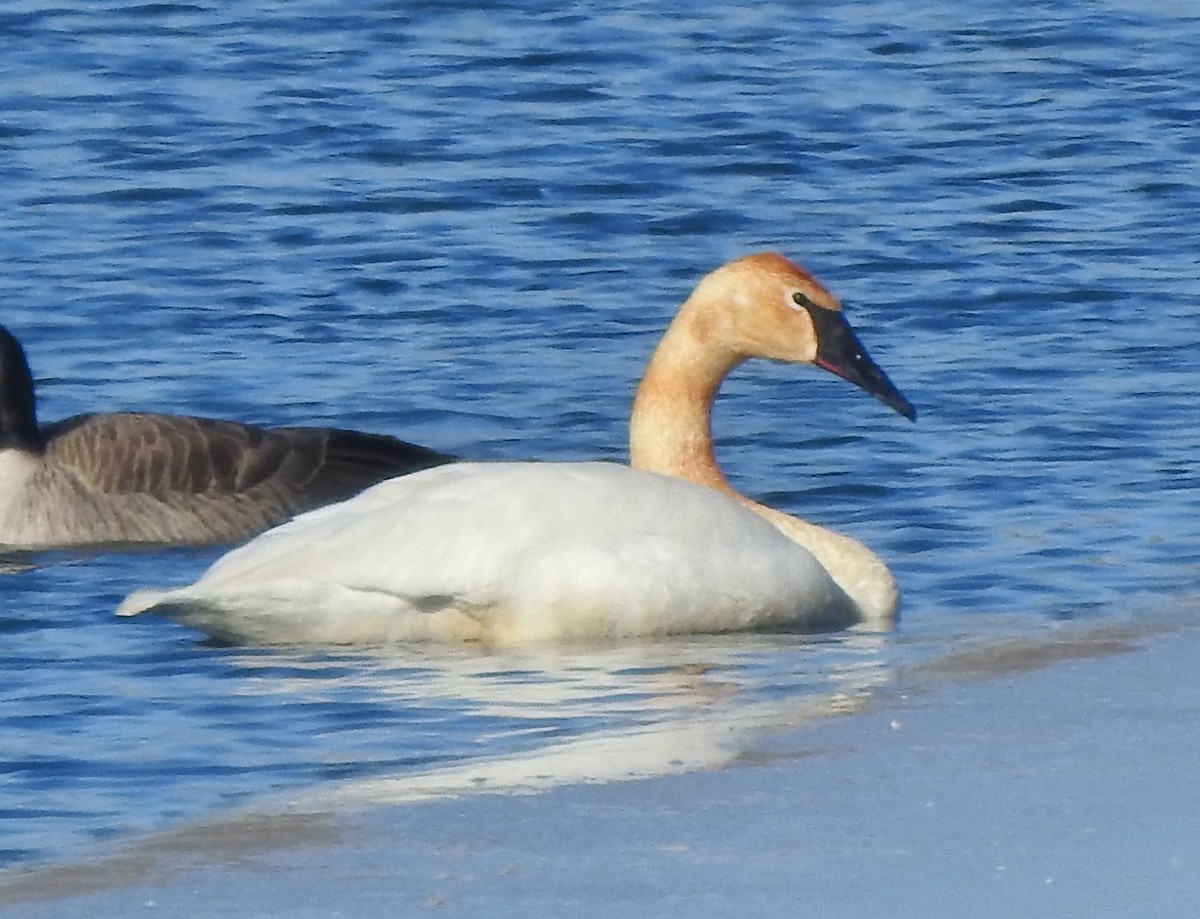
[18,410]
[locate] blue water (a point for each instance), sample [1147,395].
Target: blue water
[466,226]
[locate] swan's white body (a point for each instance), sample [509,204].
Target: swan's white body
[515,553]
[402,562]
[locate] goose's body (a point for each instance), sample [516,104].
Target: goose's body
[513,553]
[127,479]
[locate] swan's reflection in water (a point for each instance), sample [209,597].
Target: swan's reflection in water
[551,716]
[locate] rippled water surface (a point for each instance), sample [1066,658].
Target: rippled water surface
[466,226]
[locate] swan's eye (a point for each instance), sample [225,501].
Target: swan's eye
[802,300]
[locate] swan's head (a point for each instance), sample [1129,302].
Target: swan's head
[767,306]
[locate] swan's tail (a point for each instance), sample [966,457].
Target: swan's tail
[141,601]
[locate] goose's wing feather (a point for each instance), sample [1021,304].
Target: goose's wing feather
[509,553]
[163,455]
[125,453]
[135,478]
[330,464]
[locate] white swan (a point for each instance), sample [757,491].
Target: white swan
[124,479]
[509,553]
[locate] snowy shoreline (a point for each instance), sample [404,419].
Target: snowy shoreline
[1021,777]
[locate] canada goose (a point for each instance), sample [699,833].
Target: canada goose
[126,479]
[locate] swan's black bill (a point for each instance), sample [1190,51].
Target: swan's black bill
[840,352]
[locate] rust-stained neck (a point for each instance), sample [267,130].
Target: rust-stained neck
[670,429]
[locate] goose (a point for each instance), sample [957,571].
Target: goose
[126,479]
[508,554]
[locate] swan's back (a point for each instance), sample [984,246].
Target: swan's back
[510,553]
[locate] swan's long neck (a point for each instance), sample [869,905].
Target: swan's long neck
[670,428]
[670,432]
